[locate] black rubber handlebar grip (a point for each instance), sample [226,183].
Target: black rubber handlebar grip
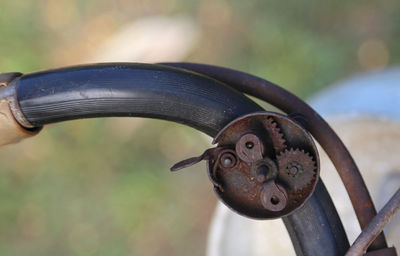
[145,90]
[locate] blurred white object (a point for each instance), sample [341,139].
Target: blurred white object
[365,112]
[146,40]
[232,234]
[150,39]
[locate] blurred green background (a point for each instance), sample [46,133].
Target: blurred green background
[102,186]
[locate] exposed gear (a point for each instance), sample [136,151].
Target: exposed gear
[252,170]
[278,142]
[297,168]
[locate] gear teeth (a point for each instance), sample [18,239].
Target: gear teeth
[278,141]
[303,162]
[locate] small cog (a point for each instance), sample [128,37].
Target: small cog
[278,142]
[297,168]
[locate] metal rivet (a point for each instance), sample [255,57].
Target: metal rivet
[293,170]
[227,162]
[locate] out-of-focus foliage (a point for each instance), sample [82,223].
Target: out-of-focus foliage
[102,187]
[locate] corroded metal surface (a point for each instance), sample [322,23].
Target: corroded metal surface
[391,251]
[265,165]
[313,122]
[375,227]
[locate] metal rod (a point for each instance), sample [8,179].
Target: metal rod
[375,227]
[318,127]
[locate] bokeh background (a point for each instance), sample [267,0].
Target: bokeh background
[102,186]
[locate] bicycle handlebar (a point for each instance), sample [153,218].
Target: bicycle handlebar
[173,94]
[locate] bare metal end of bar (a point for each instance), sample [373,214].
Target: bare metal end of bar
[13,125]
